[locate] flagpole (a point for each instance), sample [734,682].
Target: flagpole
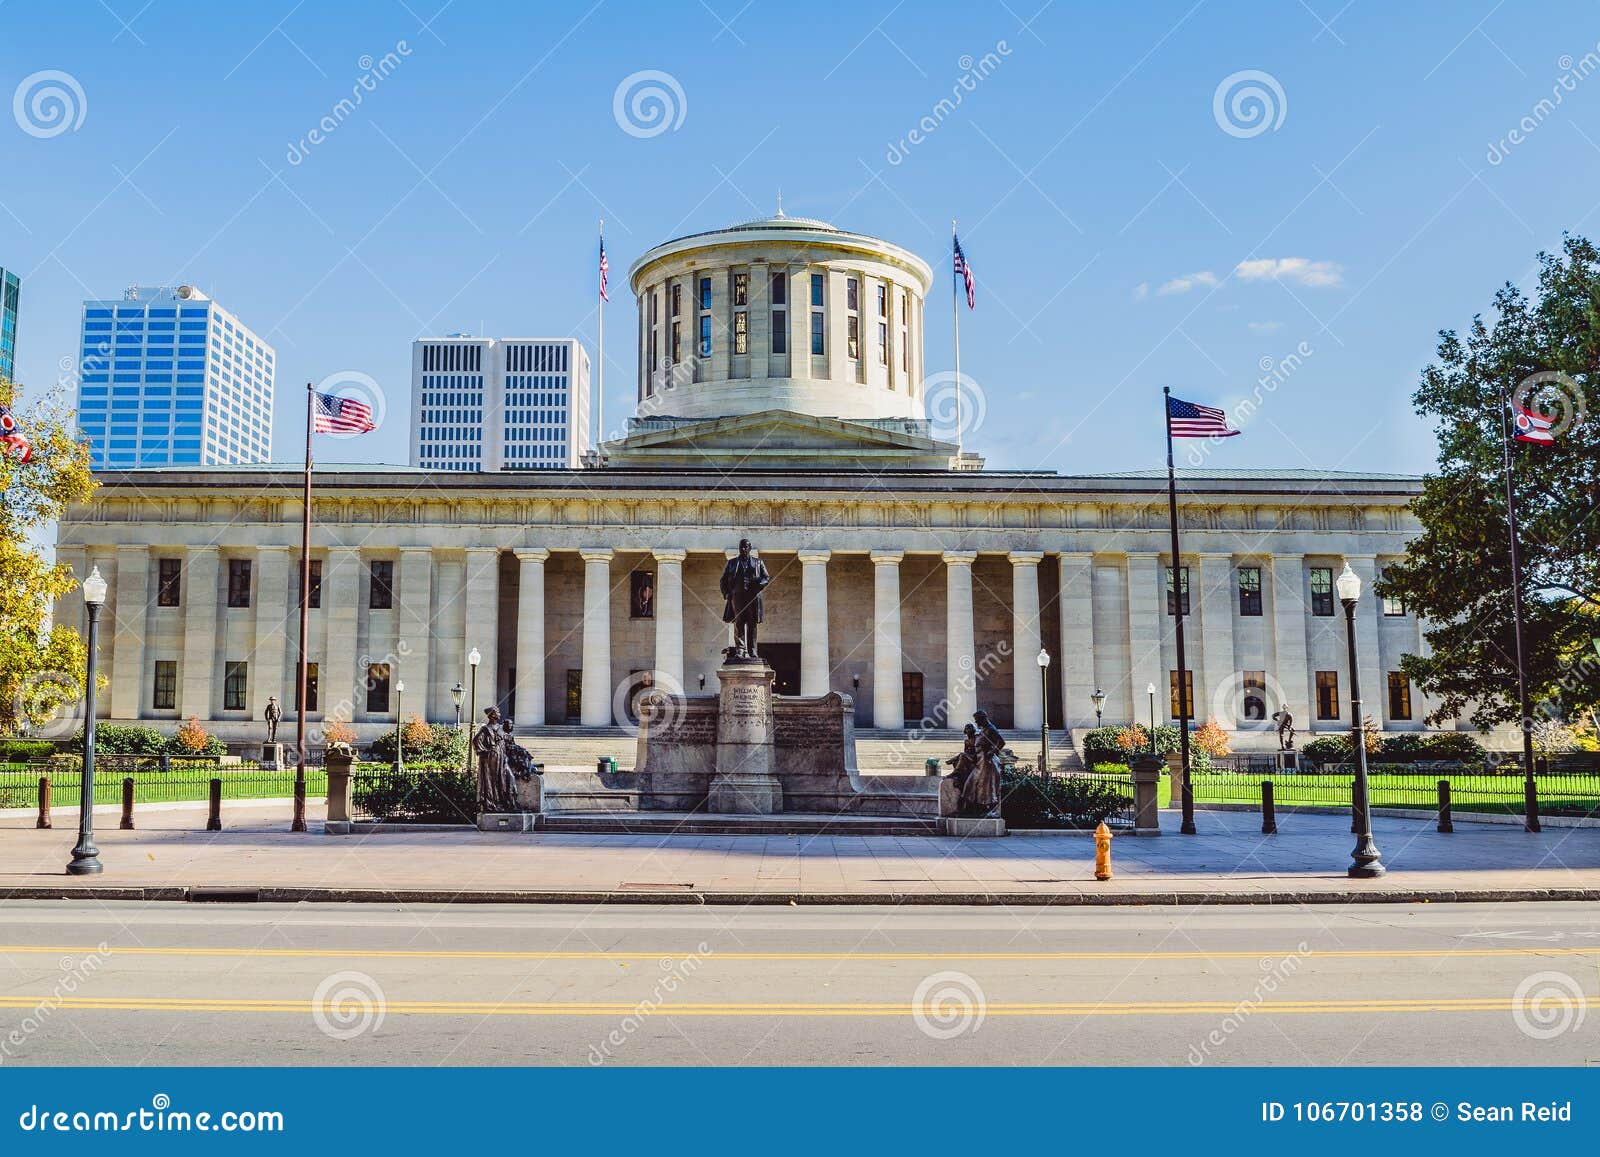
[955,318]
[1530,790]
[600,370]
[1187,827]
[298,823]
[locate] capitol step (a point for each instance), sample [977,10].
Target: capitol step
[711,824]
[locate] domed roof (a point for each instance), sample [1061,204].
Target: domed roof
[780,220]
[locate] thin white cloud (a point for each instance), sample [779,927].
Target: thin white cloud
[1187,282]
[1265,326]
[1141,291]
[1320,274]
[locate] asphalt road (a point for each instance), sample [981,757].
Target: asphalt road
[212,984]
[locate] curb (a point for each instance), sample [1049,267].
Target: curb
[312,895]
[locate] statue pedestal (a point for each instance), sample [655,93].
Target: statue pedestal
[745,781]
[1288,761]
[272,755]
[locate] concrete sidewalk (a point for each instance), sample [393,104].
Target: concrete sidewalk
[1228,862]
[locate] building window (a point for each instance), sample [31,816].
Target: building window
[705,293]
[169,583]
[817,346]
[780,332]
[883,343]
[852,331]
[816,290]
[377,688]
[1399,695]
[238,582]
[883,301]
[381,597]
[852,294]
[741,332]
[677,342]
[1183,585]
[1255,694]
[234,679]
[1394,606]
[311,689]
[705,335]
[315,589]
[1250,592]
[1188,691]
[677,300]
[780,289]
[1327,694]
[741,289]
[1322,593]
[642,595]
[165,696]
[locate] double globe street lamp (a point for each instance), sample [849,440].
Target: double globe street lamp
[85,856]
[1365,861]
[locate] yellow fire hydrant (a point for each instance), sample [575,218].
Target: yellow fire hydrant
[1102,853]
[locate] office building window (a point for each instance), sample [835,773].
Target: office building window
[816,291]
[377,688]
[741,289]
[1399,695]
[169,582]
[381,596]
[1327,694]
[817,346]
[705,293]
[780,331]
[780,289]
[741,332]
[234,681]
[1255,694]
[1250,591]
[1322,592]
[705,335]
[1188,690]
[165,694]
[238,582]
[311,688]
[1183,586]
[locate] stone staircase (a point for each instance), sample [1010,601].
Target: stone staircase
[699,823]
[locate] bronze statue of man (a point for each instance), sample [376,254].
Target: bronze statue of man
[743,580]
[273,715]
[1285,722]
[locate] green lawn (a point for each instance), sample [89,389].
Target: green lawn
[1558,794]
[19,785]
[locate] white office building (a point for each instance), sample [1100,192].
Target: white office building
[499,403]
[167,377]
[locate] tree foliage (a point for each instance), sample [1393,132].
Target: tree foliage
[39,668]
[1457,573]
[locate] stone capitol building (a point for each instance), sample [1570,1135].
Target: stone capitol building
[780,397]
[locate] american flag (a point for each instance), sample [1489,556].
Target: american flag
[964,271]
[605,267]
[335,415]
[11,438]
[1188,420]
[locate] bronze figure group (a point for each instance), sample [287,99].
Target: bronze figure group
[976,770]
[501,762]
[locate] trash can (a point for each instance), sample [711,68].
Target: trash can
[930,767]
[603,764]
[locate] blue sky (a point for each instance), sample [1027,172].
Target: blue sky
[1125,236]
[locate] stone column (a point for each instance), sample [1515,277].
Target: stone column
[1289,640]
[414,631]
[273,618]
[341,689]
[1027,696]
[888,696]
[1369,617]
[1147,603]
[961,675]
[1213,585]
[669,619]
[814,665]
[483,622]
[131,605]
[200,595]
[596,636]
[1077,639]
[530,637]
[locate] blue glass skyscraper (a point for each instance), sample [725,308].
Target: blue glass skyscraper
[169,377]
[10,291]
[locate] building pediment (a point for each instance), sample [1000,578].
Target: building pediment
[782,438]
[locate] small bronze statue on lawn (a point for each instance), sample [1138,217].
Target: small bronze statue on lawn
[743,580]
[273,715]
[1285,722]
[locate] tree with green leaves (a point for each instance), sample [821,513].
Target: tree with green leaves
[1457,573]
[40,668]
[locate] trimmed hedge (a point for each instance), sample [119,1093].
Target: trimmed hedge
[1061,801]
[418,797]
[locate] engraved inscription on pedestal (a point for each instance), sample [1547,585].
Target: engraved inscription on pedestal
[746,782]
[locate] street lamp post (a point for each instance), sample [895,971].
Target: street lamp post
[399,726]
[1151,689]
[474,657]
[457,694]
[1044,711]
[1365,861]
[85,856]
[1098,698]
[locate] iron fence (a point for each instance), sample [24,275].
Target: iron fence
[1403,786]
[184,782]
[439,795]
